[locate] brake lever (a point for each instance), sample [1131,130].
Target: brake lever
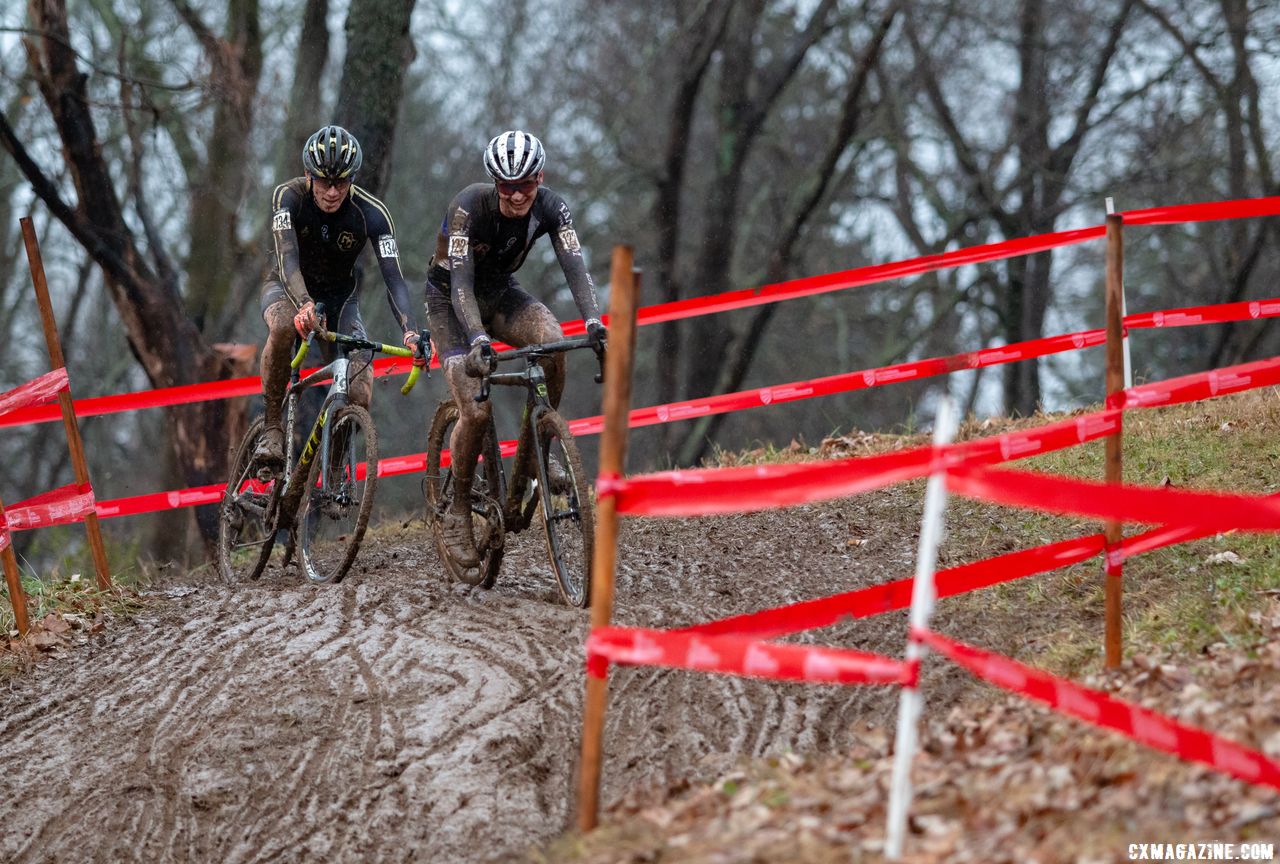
[600,350]
[483,395]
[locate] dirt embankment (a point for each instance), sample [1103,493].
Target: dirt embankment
[397,717]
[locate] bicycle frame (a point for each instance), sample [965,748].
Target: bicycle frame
[318,438]
[534,379]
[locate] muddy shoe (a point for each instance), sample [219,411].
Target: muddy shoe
[458,541]
[557,477]
[269,454]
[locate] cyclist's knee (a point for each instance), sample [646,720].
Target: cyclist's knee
[474,413]
[279,319]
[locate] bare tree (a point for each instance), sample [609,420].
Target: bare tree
[1020,181]
[813,189]
[163,338]
[1218,49]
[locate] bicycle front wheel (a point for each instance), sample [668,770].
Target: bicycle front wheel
[335,507]
[568,516]
[488,489]
[246,514]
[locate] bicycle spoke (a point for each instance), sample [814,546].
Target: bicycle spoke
[567,515]
[247,506]
[336,507]
[487,491]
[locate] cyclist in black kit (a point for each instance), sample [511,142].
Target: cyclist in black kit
[320,222]
[486,235]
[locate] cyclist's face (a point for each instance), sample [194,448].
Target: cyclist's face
[329,194]
[515,199]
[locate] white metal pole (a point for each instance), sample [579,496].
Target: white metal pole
[1128,369]
[910,701]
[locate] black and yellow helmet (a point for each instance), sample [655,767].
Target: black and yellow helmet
[332,153]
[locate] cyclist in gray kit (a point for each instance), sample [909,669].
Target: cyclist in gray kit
[472,294]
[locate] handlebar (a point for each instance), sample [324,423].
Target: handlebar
[358,344]
[530,352]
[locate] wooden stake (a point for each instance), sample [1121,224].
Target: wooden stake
[12,578]
[1113,568]
[74,444]
[624,287]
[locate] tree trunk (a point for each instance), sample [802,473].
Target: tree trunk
[378,53]
[212,266]
[303,116]
[705,33]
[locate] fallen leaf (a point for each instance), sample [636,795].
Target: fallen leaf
[54,623]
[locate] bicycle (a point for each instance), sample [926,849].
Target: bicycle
[323,506]
[564,500]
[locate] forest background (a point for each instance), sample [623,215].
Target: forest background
[733,144]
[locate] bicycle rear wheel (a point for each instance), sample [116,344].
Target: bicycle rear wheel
[246,514]
[568,516]
[488,490]
[335,512]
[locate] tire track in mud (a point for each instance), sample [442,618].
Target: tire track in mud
[398,717]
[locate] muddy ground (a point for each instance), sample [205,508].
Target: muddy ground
[397,717]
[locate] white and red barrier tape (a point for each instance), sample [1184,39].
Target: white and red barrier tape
[732,655]
[747,297]
[708,491]
[60,506]
[35,392]
[1201,385]
[1105,711]
[891,596]
[1201,511]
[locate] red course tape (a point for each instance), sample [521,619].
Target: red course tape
[1201,385]
[34,392]
[61,506]
[1212,511]
[731,300]
[890,596]
[735,656]
[709,491]
[1105,711]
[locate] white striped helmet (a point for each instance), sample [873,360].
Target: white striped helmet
[332,153]
[514,156]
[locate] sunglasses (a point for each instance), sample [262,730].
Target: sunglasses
[506,190]
[325,184]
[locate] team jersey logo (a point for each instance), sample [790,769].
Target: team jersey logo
[458,247]
[387,246]
[346,241]
[569,240]
[281,221]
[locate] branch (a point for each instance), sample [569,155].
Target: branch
[1065,153]
[848,125]
[164,265]
[965,156]
[773,84]
[101,70]
[1189,49]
